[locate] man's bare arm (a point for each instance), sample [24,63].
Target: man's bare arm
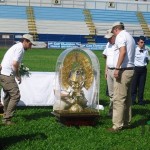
[120,60]
[16,70]
[121,56]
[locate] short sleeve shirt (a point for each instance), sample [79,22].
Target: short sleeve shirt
[125,39]
[141,57]
[15,53]
[109,52]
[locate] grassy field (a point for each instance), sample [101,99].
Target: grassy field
[37,129]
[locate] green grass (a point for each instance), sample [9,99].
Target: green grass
[37,129]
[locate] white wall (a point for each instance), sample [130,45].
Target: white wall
[129,5]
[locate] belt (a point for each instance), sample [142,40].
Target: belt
[128,68]
[140,66]
[111,68]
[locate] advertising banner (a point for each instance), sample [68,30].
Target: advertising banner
[64,45]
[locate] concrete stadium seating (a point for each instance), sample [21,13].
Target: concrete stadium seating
[103,20]
[13,19]
[15,12]
[61,27]
[13,26]
[60,21]
[66,21]
[65,14]
[147,17]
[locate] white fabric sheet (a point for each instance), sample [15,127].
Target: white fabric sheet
[36,90]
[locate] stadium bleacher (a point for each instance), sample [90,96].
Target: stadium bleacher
[103,20]
[15,12]
[147,17]
[66,24]
[13,19]
[60,21]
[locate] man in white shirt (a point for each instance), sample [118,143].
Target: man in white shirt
[139,79]
[109,67]
[9,71]
[124,70]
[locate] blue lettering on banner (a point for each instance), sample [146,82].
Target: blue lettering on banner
[94,46]
[55,43]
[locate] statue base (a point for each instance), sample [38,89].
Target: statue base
[76,119]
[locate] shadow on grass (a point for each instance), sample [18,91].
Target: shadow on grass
[34,107]
[140,122]
[144,112]
[104,102]
[45,111]
[147,102]
[8,141]
[38,114]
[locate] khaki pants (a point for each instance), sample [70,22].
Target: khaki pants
[122,99]
[110,83]
[12,95]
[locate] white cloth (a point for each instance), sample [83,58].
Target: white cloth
[15,53]
[36,90]
[141,57]
[125,39]
[109,52]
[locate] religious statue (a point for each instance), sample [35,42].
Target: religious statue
[73,98]
[77,87]
[77,80]
[75,77]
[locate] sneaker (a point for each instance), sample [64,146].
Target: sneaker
[8,122]
[3,121]
[113,130]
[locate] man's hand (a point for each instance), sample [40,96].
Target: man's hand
[116,74]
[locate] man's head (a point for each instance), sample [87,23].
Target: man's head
[141,41]
[117,27]
[27,41]
[110,36]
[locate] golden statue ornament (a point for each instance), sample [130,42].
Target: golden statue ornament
[77,85]
[76,70]
[76,81]
[73,60]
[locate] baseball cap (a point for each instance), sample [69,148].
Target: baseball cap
[29,37]
[117,24]
[108,34]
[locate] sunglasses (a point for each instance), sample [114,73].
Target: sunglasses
[142,42]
